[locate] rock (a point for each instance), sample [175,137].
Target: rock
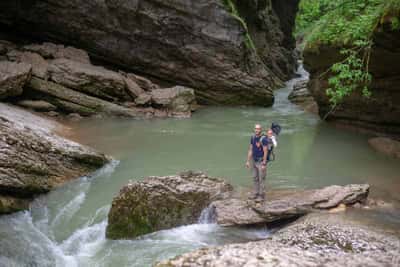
[53,51]
[10,204]
[321,240]
[39,105]
[300,93]
[340,208]
[53,113]
[76,102]
[158,203]
[13,77]
[39,65]
[379,114]
[34,160]
[74,116]
[6,46]
[93,80]
[229,212]
[177,99]
[195,43]
[133,89]
[386,146]
[144,83]
[143,99]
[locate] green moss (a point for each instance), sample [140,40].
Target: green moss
[123,226]
[231,7]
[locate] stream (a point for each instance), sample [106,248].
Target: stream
[67,226]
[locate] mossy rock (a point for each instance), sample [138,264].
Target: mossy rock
[158,203]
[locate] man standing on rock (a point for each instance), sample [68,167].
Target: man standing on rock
[257,154]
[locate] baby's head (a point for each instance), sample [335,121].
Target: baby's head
[270,133]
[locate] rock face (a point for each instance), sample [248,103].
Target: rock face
[158,203]
[34,160]
[322,240]
[229,212]
[381,112]
[386,146]
[13,76]
[195,43]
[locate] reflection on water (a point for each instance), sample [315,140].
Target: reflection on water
[67,226]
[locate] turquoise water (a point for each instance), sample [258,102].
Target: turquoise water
[66,227]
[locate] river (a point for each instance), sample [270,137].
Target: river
[67,226]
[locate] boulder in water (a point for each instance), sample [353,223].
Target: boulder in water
[229,212]
[158,203]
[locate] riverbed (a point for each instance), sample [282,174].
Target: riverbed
[66,227]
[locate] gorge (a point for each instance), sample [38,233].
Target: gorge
[165,86]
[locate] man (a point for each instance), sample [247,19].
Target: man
[257,153]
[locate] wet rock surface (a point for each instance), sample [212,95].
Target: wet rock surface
[158,203]
[34,160]
[198,44]
[314,240]
[229,212]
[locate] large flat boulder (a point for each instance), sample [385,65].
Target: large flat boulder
[201,44]
[93,80]
[13,77]
[158,203]
[229,212]
[34,160]
[76,102]
[322,240]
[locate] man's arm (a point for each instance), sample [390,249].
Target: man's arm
[265,149]
[249,154]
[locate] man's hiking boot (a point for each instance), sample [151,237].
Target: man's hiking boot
[260,198]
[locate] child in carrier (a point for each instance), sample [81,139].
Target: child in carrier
[272,134]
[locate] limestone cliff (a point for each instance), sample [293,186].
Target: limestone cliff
[231,52]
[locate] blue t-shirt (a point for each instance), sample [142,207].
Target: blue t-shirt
[258,151]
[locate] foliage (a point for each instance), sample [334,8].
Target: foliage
[348,76]
[348,25]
